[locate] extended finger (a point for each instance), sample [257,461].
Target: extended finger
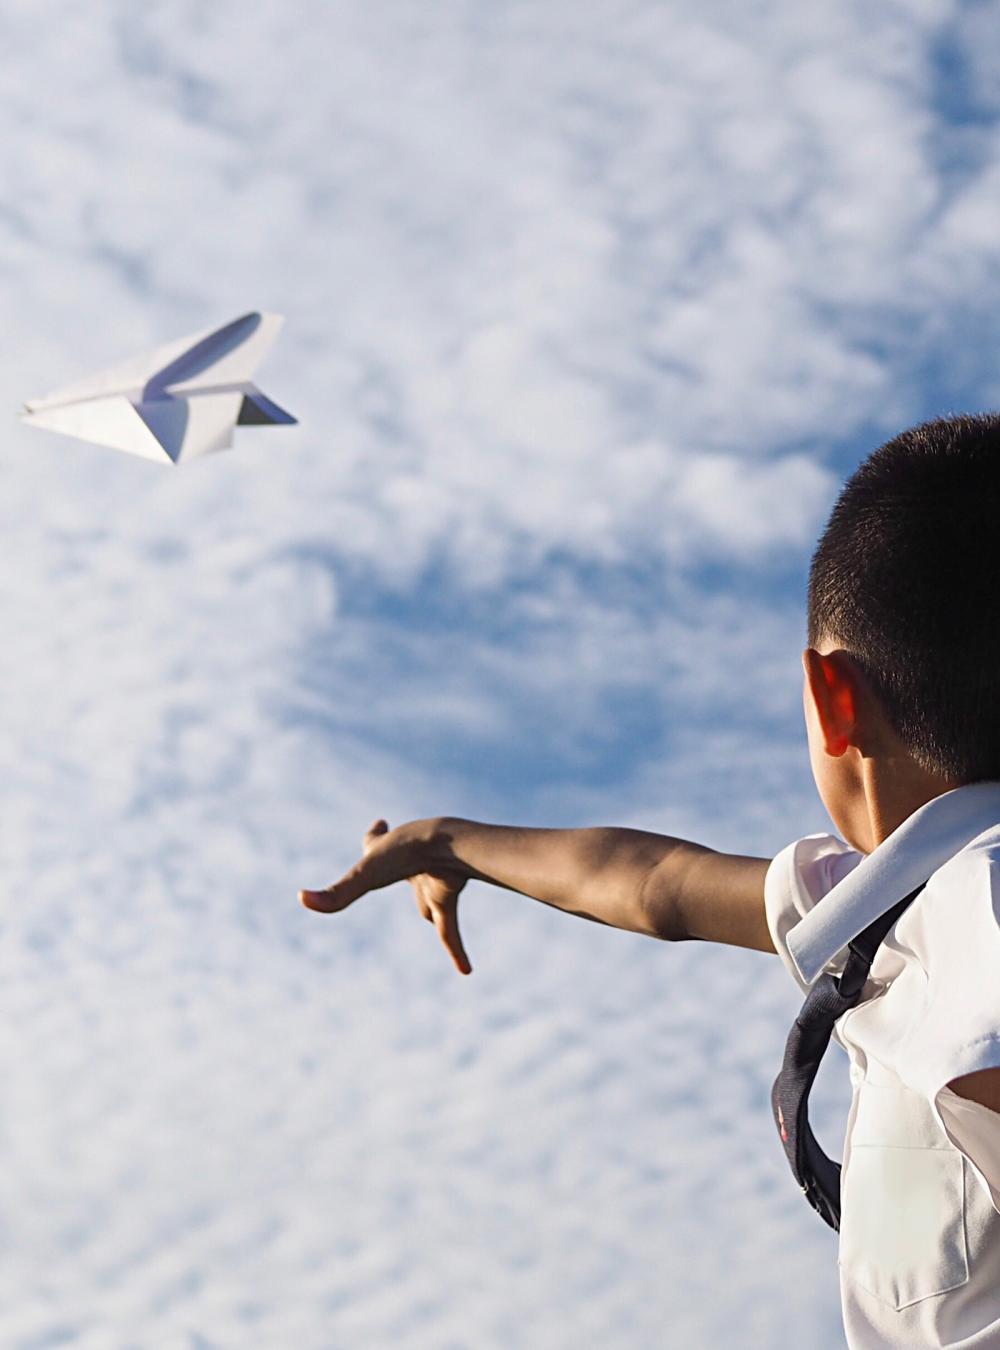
[370,874]
[383,862]
[446,923]
[333,898]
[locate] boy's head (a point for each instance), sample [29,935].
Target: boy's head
[906,580]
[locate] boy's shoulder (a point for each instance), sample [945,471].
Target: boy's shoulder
[814,905]
[954,924]
[939,967]
[976,852]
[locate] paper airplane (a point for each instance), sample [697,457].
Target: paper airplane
[175,404]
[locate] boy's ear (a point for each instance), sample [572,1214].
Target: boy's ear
[832,686]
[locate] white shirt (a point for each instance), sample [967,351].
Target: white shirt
[920,1189]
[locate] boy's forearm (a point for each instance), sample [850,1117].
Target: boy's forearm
[632,879]
[595,873]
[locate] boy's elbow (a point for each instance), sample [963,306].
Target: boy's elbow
[659,912]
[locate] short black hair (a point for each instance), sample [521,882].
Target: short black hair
[906,577]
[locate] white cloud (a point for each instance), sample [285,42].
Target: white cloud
[584,305]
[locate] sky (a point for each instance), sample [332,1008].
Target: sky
[590,310]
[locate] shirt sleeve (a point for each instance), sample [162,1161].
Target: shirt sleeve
[796,880]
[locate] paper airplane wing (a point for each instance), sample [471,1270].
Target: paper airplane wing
[229,355]
[113,421]
[126,376]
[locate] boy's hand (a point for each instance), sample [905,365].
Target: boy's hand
[403,854]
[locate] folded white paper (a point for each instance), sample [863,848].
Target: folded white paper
[175,404]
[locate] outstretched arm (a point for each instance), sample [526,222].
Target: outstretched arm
[646,883]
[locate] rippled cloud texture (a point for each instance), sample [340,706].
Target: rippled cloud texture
[590,308]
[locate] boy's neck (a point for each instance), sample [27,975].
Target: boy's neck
[891,788]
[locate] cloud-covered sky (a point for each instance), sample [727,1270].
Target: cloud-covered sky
[590,309]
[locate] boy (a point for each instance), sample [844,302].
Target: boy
[902,710]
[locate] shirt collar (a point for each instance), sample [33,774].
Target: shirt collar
[916,849]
